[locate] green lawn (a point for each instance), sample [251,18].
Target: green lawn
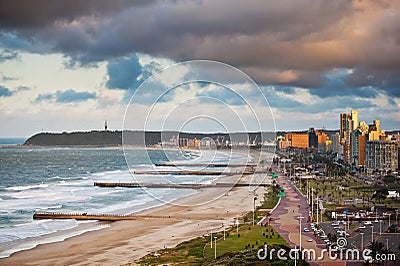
[188,252]
[249,239]
[270,200]
[198,251]
[238,247]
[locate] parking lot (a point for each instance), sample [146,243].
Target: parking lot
[361,232]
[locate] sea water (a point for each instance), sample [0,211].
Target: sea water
[61,180]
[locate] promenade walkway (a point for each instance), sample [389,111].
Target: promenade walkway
[285,221]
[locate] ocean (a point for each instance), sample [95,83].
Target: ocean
[61,180]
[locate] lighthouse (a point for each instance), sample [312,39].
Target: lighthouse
[105,125]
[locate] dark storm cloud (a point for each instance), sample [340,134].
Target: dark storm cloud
[287,43]
[386,81]
[177,29]
[21,14]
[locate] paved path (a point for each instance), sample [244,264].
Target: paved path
[285,221]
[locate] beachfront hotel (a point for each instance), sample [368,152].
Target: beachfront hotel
[356,143]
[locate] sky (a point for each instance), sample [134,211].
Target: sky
[70,67]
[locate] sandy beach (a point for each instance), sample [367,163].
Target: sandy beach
[127,241]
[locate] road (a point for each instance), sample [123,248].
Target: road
[285,221]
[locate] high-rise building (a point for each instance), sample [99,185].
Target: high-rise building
[335,142]
[343,121]
[347,142]
[382,155]
[312,139]
[363,127]
[322,137]
[354,118]
[358,147]
[374,130]
[297,140]
[348,123]
[282,143]
[327,144]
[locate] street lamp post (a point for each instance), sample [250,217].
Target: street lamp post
[362,241]
[389,219]
[321,213]
[211,238]
[380,227]
[300,218]
[215,247]
[317,208]
[372,235]
[312,203]
[254,208]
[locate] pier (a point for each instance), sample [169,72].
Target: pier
[170,185]
[205,165]
[169,172]
[112,217]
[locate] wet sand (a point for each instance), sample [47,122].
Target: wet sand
[126,241]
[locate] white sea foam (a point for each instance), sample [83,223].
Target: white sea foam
[50,239]
[77,194]
[21,188]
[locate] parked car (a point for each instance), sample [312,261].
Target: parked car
[367,222]
[306,229]
[362,227]
[309,239]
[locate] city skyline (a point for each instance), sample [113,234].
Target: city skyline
[70,68]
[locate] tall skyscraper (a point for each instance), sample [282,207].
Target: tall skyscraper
[354,117]
[343,120]
[348,123]
[358,147]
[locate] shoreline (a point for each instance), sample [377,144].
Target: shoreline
[126,241]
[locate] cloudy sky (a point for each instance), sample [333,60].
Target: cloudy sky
[71,65]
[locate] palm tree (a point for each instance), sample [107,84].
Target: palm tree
[376,248]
